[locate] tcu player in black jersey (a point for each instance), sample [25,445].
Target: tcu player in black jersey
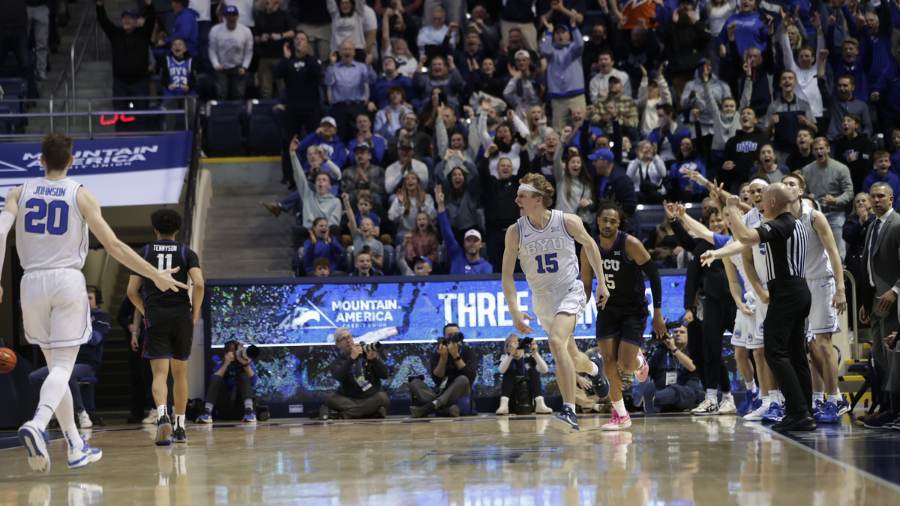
[620,324]
[169,319]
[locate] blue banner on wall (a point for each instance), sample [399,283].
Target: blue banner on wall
[119,171]
[407,310]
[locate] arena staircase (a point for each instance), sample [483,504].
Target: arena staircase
[242,239]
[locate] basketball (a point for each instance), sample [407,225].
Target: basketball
[7,360]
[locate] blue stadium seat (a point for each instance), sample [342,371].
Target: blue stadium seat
[224,128]
[263,133]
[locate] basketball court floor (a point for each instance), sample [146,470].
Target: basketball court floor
[484,460]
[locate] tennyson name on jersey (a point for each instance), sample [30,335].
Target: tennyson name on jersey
[165,247]
[542,245]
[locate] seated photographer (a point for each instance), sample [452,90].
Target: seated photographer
[359,370]
[87,362]
[234,372]
[453,368]
[673,384]
[522,364]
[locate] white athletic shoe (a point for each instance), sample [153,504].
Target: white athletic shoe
[707,407]
[757,414]
[540,408]
[504,406]
[727,407]
[35,443]
[152,418]
[84,420]
[82,454]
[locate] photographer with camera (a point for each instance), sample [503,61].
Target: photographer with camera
[521,367]
[673,384]
[359,370]
[453,368]
[230,390]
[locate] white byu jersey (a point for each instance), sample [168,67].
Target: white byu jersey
[753,219]
[816,264]
[50,231]
[548,256]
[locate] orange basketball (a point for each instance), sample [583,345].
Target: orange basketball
[7,360]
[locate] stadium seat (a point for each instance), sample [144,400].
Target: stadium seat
[224,128]
[263,133]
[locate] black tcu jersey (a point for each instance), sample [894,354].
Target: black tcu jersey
[623,276]
[166,254]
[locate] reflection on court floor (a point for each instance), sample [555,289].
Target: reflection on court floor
[481,460]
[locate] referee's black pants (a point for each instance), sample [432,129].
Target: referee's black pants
[785,343]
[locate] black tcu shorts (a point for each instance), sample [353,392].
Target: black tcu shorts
[170,332]
[625,323]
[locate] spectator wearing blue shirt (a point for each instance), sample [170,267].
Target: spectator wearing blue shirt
[321,244]
[881,173]
[466,260]
[562,46]
[325,134]
[750,29]
[185,27]
[347,87]
[377,144]
[668,135]
[88,361]
[390,79]
[685,189]
[672,384]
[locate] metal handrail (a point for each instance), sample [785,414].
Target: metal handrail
[70,69]
[853,337]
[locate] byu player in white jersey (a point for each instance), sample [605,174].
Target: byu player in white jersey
[754,264]
[52,240]
[544,243]
[824,274]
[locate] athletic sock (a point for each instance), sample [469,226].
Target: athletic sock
[750,385]
[179,421]
[569,405]
[161,410]
[835,398]
[594,369]
[776,396]
[766,400]
[727,396]
[248,403]
[619,406]
[712,395]
[817,396]
[208,406]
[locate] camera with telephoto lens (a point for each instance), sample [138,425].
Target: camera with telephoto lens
[456,337]
[366,348]
[243,353]
[525,343]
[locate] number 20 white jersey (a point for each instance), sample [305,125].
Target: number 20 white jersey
[50,231]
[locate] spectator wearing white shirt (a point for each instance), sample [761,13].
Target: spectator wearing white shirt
[648,173]
[437,33]
[599,86]
[230,52]
[347,23]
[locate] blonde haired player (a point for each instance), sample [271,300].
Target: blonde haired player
[543,240]
[52,241]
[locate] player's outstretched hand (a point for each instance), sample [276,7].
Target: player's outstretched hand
[708,257]
[164,281]
[520,321]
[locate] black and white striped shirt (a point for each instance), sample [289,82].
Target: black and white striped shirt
[787,240]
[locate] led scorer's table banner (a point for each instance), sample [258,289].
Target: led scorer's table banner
[398,310]
[126,171]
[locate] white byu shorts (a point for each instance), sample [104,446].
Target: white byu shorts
[759,318]
[55,308]
[823,317]
[547,306]
[745,332]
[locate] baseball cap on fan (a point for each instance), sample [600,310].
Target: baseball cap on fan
[328,120]
[472,233]
[231,10]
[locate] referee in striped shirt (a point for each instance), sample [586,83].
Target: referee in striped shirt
[789,300]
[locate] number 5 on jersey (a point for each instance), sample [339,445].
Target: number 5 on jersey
[547,263]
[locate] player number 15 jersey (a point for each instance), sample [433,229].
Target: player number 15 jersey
[547,256]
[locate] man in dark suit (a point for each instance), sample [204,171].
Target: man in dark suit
[882,263]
